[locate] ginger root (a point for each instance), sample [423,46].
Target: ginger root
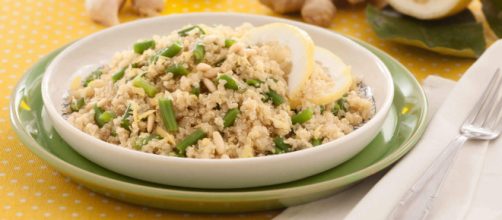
[281,6]
[318,12]
[148,7]
[106,12]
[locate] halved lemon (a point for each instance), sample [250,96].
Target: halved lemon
[429,9]
[330,80]
[301,47]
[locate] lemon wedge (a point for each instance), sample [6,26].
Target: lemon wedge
[429,9]
[301,48]
[330,80]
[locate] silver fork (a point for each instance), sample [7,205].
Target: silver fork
[482,123]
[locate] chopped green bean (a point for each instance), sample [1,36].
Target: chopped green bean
[229,42]
[118,75]
[77,104]
[149,89]
[184,32]
[189,140]
[172,50]
[126,122]
[280,146]
[316,141]
[97,112]
[254,82]
[142,46]
[230,117]
[274,97]
[198,53]
[343,103]
[336,109]
[177,70]
[167,114]
[96,74]
[195,90]
[142,141]
[230,82]
[106,117]
[303,116]
[340,105]
[102,117]
[137,65]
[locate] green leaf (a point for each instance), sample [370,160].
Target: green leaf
[458,35]
[493,13]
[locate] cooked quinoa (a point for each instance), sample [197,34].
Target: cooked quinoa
[200,93]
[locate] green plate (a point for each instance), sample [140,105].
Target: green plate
[402,129]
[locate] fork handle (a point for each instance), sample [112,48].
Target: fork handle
[416,203]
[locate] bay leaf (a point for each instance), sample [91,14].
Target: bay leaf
[458,35]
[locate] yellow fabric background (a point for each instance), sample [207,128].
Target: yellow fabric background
[29,29]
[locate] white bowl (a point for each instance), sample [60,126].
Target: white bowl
[210,173]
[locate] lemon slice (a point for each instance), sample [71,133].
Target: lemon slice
[429,9]
[330,80]
[301,48]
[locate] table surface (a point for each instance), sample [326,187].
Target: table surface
[29,29]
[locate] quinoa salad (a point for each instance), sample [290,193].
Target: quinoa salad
[200,92]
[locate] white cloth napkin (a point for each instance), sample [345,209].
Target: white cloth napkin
[474,185]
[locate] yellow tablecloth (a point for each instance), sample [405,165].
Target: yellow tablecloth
[29,29]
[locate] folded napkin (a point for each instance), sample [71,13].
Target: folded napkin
[474,184]
[473,189]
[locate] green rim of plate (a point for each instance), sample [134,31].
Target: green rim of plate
[405,125]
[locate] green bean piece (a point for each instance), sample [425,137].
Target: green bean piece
[136,65]
[126,122]
[303,116]
[105,117]
[142,46]
[336,109]
[274,97]
[230,82]
[195,90]
[101,117]
[316,141]
[149,89]
[254,82]
[77,104]
[280,146]
[189,140]
[142,141]
[167,114]
[230,117]
[340,105]
[172,50]
[96,74]
[229,42]
[198,53]
[177,70]
[97,112]
[184,32]
[343,103]
[119,75]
